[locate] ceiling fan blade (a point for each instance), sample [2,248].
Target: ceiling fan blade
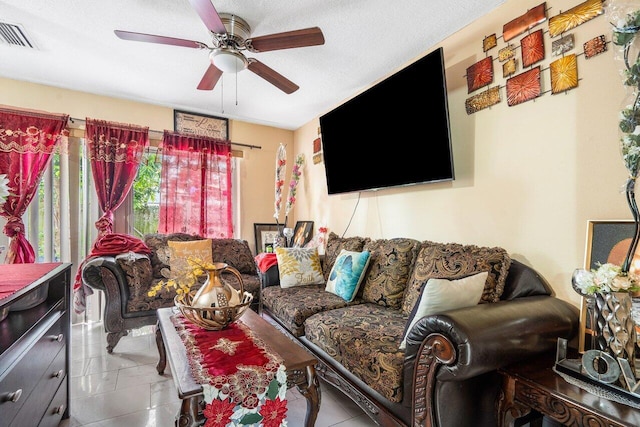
[150,38]
[209,15]
[210,78]
[289,39]
[276,79]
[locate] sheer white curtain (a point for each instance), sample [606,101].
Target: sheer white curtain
[59,221]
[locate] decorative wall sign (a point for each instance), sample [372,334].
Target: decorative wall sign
[317,148]
[483,100]
[575,16]
[562,45]
[595,46]
[202,125]
[480,74]
[523,87]
[525,22]
[564,74]
[507,52]
[489,42]
[509,68]
[532,48]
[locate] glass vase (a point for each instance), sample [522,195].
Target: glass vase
[614,325]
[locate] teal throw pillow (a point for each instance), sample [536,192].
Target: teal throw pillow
[347,274]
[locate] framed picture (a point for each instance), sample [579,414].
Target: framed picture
[302,233]
[607,241]
[265,235]
[200,124]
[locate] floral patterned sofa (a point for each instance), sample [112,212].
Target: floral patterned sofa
[126,279]
[445,375]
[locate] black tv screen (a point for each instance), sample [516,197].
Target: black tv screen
[393,134]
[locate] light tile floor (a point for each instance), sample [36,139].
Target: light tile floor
[124,389]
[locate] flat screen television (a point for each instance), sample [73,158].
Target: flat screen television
[395,133]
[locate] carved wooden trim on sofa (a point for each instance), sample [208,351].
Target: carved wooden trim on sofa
[436,350]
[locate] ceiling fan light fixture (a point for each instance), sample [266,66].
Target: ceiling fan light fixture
[228,60]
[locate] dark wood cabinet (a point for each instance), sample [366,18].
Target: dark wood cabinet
[34,346]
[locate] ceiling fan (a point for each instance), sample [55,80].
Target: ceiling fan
[230,38]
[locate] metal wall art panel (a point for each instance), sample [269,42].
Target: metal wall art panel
[489,42]
[509,68]
[595,46]
[524,22]
[483,100]
[506,52]
[575,16]
[524,87]
[532,48]
[480,74]
[564,74]
[562,45]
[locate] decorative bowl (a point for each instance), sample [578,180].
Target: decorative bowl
[213,318]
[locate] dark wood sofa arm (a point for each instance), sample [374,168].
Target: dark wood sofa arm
[92,275]
[103,273]
[465,343]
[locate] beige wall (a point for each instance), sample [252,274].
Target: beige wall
[528,177]
[256,168]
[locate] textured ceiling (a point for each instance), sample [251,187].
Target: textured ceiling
[365,40]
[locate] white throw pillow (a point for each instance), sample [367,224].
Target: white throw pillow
[439,295]
[299,266]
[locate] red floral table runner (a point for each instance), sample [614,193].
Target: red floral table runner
[244,383]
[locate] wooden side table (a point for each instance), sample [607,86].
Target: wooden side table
[533,385]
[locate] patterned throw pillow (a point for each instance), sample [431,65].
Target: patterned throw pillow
[439,295]
[347,274]
[180,252]
[299,266]
[453,261]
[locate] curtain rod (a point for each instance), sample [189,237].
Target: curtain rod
[73,120]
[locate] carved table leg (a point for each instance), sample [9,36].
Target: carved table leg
[309,386]
[188,415]
[162,362]
[508,409]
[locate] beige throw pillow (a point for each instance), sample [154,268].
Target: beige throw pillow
[440,295]
[299,266]
[180,252]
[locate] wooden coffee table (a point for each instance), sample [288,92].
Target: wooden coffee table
[299,364]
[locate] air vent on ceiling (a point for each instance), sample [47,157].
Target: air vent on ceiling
[15,34]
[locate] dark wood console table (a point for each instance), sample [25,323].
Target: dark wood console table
[533,385]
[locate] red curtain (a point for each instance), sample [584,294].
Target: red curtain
[27,140]
[195,190]
[115,151]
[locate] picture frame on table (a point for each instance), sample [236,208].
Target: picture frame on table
[265,236]
[607,242]
[201,125]
[302,234]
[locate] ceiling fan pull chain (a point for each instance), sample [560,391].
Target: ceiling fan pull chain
[236,89]
[222,95]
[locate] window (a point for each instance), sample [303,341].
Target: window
[146,195]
